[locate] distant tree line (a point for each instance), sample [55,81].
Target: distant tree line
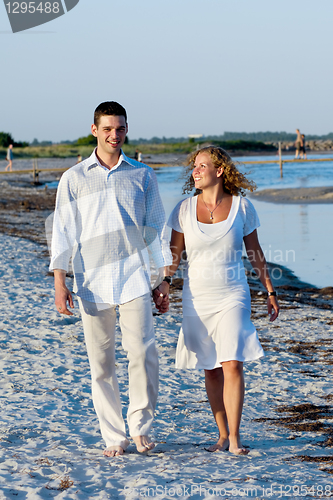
[36,143]
[241,145]
[270,136]
[6,139]
[234,136]
[237,137]
[89,140]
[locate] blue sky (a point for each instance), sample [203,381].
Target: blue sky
[179,67]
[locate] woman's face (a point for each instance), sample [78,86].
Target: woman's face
[205,174]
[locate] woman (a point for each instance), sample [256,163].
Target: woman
[217,334]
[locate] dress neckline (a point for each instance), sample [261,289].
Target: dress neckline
[207,223]
[221,229]
[216,223]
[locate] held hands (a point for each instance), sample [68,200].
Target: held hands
[273,307]
[161,297]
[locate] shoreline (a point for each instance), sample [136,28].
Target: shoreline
[153,154]
[24,209]
[163,158]
[295,195]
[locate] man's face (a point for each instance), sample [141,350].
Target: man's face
[110,133]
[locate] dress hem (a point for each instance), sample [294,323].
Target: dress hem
[218,365]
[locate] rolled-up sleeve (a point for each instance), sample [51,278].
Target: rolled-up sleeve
[64,226]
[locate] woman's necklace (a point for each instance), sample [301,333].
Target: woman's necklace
[211,211]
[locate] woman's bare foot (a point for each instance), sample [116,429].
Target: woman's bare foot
[113,451]
[221,445]
[143,444]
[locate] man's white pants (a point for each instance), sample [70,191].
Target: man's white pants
[136,323]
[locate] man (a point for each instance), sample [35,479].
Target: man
[108,210]
[303,150]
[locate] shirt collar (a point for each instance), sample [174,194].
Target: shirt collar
[93,161]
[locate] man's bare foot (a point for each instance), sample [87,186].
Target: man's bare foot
[113,451]
[239,451]
[221,445]
[236,448]
[143,444]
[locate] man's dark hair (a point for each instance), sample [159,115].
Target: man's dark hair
[109,108]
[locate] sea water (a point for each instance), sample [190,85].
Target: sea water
[298,236]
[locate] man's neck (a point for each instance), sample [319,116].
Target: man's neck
[108,161]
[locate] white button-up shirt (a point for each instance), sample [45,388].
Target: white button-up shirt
[106,220]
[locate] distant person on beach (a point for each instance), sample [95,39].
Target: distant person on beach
[136,155]
[79,159]
[140,156]
[298,143]
[217,334]
[303,150]
[108,210]
[9,158]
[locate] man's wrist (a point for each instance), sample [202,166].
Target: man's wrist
[167,279]
[59,277]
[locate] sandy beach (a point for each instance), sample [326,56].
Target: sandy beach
[50,441]
[296,195]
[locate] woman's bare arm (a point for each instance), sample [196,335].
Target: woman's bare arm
[177,246]
[259,264]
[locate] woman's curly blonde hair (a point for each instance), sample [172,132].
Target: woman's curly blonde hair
[234,182]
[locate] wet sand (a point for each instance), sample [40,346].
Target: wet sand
[296,195]
[25,207]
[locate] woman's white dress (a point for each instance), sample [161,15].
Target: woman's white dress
[216,323]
